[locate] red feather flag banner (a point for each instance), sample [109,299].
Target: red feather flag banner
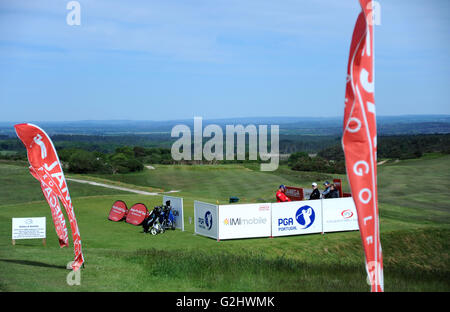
[359,141]
[57,215]
[46,168]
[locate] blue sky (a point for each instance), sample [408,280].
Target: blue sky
[161,60]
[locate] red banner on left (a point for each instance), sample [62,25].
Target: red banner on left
[46,168]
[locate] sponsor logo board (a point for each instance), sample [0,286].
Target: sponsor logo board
[295,218]
[244,221]
[206,216]
[339,214]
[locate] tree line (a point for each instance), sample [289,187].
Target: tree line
[92,155]
[332,160]
[301,161]
[399,147]
[122,160]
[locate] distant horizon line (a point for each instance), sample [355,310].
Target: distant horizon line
[217,118]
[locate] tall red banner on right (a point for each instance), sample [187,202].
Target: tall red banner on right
[359,141]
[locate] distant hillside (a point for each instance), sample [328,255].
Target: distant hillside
[387,125]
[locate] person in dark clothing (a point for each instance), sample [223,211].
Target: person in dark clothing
[315,193]
[334,192]
[326,192]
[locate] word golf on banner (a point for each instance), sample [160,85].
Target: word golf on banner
[137,214]
[118,211]
[359,140]
[46,168]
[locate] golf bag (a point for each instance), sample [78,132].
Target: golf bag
[152,219]
[168,219]
[160,219]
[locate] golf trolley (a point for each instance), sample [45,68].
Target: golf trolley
[160,219]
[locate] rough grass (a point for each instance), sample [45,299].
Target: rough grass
[420,184]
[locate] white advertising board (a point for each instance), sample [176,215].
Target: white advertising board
[177,208]
[28,228]
[206,219]
[296,218]
[244,221]
[339,214]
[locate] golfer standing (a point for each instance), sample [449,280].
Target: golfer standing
[281,196]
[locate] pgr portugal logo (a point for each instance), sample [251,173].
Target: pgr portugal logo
[305,216]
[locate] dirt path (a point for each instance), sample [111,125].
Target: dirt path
[118,187]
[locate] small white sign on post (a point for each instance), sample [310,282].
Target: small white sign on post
[28,228]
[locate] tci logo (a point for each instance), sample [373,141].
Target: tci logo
[347,214]
[305,216]
[206,222]
[28,221]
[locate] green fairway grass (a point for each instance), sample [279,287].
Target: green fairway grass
[220,182]
[414,209]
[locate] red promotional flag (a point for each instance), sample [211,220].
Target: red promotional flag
[45,167]
[359,141]
[57,215]
[118,211]
[137,214]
